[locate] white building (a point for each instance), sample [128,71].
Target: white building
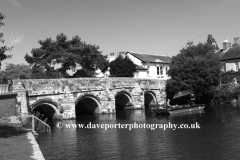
[156,65]
[230,55]
[147,66]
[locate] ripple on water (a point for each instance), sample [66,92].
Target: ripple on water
[215,139]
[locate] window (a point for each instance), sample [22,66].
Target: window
[158,70]
[148,71]
[137,74]
[161,70]
[237,66]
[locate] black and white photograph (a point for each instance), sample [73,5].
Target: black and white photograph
[119,80]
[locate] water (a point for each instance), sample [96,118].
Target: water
[217,138]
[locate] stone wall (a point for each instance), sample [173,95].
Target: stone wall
[8,104]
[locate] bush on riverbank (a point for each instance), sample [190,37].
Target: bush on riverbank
[227,93]
[229,76]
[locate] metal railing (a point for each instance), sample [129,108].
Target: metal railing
[33,123]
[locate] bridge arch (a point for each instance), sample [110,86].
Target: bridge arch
[87,104]
[46,107]
[149,98]
[122,99]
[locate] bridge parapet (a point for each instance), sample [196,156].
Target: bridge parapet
[48,86]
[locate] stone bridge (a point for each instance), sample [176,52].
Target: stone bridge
[74,96]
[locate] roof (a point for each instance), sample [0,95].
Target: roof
[140,68]
[235,45]
[232,53]
[137,68]
[151,58]
[220,52]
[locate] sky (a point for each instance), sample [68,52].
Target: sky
[160,27]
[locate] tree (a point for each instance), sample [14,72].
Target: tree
[122,67]
[66,55]
[212,41]
[3,48]
[196,69]
[17,71]
[3,77]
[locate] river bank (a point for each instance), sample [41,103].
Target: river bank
[17,143]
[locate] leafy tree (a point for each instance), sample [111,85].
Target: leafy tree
[3,77]
[212,41]
[196,69]
[228,77]
[3,48]
[15,71]
[66,55]
[122,67]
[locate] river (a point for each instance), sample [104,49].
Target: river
[217,136]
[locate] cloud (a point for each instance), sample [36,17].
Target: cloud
[12,39]
[15,3]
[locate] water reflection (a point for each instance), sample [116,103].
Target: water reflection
[133,115]
[217,138]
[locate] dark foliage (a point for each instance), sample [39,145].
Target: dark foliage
[227,77]
[196,69]
[3,48]
[212,41]
[68,54]
[229,88]
[227,93]
[17,71]
[83,73]
[122,67]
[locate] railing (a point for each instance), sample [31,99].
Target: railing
[33,123]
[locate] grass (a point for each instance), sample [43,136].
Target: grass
[14,144]
[9,131]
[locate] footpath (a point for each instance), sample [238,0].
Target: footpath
[15,143]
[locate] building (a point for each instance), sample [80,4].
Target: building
[147,66]
[189,43]
[230,55]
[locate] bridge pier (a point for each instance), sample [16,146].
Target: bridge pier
[22,107]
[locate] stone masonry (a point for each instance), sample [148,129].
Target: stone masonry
[64,94]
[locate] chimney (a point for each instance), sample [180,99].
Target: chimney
[237,40]
[111,57]
[226,45]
